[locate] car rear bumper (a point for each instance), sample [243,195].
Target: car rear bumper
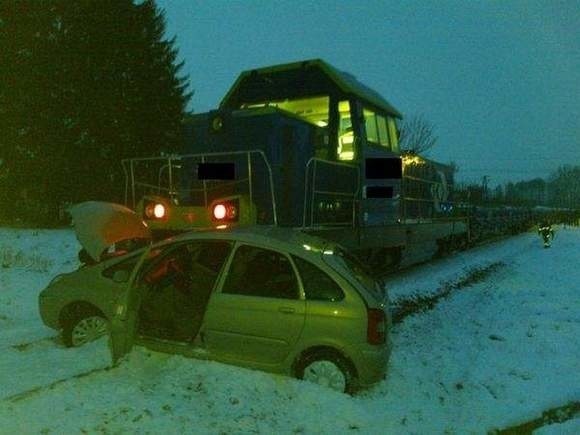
[371,363]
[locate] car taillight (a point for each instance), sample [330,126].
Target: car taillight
[376,330]
[155,210]
[225,211]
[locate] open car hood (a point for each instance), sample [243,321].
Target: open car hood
[99,225]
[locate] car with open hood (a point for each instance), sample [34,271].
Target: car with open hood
[266,298]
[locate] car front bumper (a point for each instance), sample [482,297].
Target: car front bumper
[47,310]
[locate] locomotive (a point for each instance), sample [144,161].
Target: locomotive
[307,146]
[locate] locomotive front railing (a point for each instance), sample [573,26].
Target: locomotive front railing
[172,162]
[311,192]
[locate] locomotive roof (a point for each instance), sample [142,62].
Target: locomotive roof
[310,77]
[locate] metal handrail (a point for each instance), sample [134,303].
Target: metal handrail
[202,156]
[168,189]
[422,180]
[314,191]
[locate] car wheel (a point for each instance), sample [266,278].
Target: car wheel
[328,369]
[83,326]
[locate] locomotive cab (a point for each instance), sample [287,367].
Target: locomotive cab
[350,171]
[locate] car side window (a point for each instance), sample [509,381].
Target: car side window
[212,254]
[261,272]
[189,266]
[173,267]
[318,285]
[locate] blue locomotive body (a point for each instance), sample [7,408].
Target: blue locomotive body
[308,146]
[337,171]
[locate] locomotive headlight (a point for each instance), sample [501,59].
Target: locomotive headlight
[219,211]
[159,211]
[155,210]
[225,210]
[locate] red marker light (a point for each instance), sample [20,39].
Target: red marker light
[232,212]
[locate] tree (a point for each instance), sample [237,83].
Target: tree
[417,135]
[88,84]
[24,97]
[498,195]
[564,187]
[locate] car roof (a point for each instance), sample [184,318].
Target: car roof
[287,239]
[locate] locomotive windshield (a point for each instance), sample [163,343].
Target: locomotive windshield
[316,111]
[313,109]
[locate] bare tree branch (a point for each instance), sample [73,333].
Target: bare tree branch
[417,135]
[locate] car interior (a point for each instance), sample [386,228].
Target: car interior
[176,290]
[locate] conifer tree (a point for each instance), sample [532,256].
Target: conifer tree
[89,83]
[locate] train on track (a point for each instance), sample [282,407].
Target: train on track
[307,146]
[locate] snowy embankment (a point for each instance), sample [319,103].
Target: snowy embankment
[488,356]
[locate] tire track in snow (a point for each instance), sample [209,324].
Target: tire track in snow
[28,345]
[41,363]
[422,303]
[42,388]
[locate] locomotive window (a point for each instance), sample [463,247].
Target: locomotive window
[314,110]
[371,126]
[345,150]
[393,134]
[383,136]
[377,129]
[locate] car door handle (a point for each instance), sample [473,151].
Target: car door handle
[286,310]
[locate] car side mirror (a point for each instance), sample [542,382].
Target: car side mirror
[120,276]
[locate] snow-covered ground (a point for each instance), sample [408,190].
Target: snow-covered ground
[491,355]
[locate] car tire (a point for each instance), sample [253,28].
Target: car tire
[82,325]
[329,369]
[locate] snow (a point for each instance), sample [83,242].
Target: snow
[570,427]
[491,355]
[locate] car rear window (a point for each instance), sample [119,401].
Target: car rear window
[318,286]
[355,268]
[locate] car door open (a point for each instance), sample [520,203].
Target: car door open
[124,321]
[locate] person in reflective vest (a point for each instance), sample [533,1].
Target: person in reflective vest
[546,233]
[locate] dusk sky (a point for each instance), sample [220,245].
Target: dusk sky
[499,80]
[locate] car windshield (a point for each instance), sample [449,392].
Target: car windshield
[357,270]
[130,260]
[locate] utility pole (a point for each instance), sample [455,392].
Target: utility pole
[484,183]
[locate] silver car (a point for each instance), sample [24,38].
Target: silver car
[265,298]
